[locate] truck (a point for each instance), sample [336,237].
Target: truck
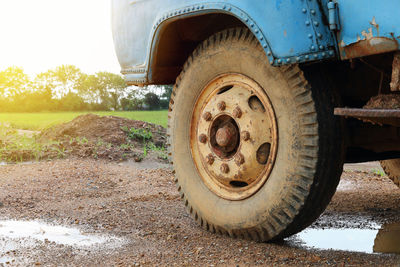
[270,99]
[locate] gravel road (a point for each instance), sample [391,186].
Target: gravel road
[136,215]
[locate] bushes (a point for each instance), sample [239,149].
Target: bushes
[67,88]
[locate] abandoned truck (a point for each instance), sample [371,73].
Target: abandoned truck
[271,97]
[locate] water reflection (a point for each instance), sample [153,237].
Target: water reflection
[385,239]
[33,230]
[388,239]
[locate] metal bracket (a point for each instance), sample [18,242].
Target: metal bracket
[334,23]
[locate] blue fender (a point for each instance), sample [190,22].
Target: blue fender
[290,31]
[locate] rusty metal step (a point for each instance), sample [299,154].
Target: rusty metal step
[376,116]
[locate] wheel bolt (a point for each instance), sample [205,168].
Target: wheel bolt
[237,113]
[207,116]
[221,106]
[203,138]
[224,168]
[239,159]
[245,135]
[210,159]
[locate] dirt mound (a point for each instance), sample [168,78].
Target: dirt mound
[390,101]
[108,129]
[109,137]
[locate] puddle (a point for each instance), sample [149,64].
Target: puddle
[36,231]
[385,239]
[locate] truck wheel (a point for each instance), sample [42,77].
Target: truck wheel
[255,148]
[392,169]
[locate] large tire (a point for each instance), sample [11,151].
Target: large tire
[392,169]
[308,160]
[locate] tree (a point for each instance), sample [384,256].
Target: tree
[13,81]
[65,79]
[106,87]
[152,100]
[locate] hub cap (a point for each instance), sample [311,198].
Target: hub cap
[234,136]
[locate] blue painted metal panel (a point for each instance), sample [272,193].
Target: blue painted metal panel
[368,27]
[289,30]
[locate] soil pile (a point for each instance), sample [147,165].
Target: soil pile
[390,101]
[108,137]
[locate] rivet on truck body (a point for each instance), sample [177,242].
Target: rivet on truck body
[224,168]
[239,159]
[237,113]
[207,116]
[210,159]
[203,138]
[221,106]
[245,135]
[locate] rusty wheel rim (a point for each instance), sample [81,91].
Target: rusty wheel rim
[233,136]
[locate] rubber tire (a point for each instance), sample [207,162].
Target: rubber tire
[392,170]
[310,149]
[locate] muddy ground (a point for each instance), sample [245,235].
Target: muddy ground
[137,206]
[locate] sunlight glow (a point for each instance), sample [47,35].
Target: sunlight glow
[42,34]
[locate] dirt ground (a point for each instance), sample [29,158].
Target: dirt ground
[137,203]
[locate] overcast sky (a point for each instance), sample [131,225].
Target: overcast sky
[41,34]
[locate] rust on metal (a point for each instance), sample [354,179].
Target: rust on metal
[227,136]
[228,165]
[237,113]
[221,105]
[203,138]
[207,116]
[210,159]
[395,84]
[245,136]
[376,116]
[224,168]
[239,159]
[369,46]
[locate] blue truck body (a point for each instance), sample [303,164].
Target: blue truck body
[290,31]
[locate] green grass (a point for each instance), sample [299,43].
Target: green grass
[39,121]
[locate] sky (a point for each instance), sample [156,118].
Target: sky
[38,35]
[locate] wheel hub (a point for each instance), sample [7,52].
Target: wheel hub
[234,136]
[227,135]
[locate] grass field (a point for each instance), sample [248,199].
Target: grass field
[39,121]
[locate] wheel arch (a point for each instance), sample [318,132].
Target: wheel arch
[175,39]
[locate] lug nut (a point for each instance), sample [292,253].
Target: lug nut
[207,116]
[224,168]
[237,113]
[203,138]
[245,135]
[210,159]
[221,106]
[239,159]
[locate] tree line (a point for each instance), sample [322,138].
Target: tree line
[67,88]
